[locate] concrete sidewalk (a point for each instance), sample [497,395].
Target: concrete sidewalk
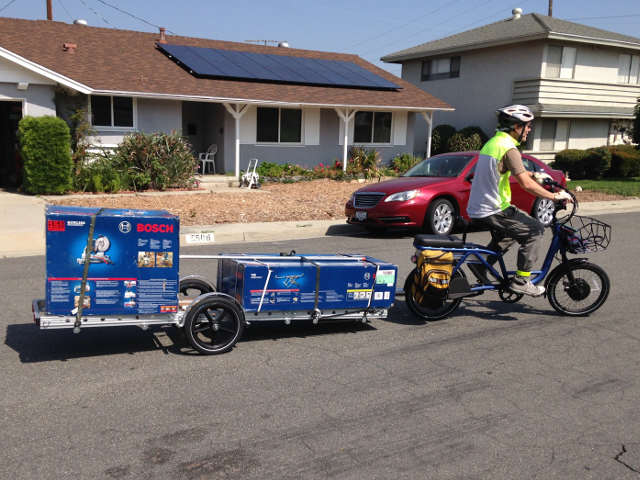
[22,220]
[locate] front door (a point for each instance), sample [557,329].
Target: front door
[10,161]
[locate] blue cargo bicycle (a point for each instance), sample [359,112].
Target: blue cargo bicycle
[574,287]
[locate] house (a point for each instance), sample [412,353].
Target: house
[581,82]
[276,104]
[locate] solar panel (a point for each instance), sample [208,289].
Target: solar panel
[238,65]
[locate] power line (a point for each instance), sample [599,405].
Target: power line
[603,18]
[8,5]
[403,25]
[93,10]
[133,16]
[65,9]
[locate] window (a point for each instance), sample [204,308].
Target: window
[629,69]
[554,135]
[560,61]
[279,125]
[111,111]
[440,68]
[372,127]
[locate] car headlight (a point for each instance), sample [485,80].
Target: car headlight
[402,196]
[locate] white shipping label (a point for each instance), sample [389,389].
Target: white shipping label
[387,277]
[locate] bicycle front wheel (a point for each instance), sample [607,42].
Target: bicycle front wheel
[578,288]
[435,311]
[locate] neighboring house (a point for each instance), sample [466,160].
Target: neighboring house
[581,82]
[134,81]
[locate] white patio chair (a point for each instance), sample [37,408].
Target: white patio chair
[208,158]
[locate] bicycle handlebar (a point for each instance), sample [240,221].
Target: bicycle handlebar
[562,204]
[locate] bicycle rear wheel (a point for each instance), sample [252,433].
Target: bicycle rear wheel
[437,311]
[578,288]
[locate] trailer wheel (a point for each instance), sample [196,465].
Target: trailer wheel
[194,286]
[214,324]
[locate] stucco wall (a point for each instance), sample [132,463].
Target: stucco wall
[38,100]
[326,152]
[587,133]
[159,115]
[485,83]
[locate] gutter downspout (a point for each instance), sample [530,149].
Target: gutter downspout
[429,119]
[237,111]
[346,115]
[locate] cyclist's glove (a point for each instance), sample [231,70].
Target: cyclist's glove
[540,177]
[562,195]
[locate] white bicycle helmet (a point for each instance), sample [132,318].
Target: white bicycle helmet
[513,115]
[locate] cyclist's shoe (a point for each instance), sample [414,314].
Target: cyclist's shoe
[523,285]
[480,271]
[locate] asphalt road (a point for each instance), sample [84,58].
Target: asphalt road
[496,391]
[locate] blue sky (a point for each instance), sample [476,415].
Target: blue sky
[370,29]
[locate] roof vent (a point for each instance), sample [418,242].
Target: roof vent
[69,47]
[80,21]
[517,13]
[283,44]
[163,36]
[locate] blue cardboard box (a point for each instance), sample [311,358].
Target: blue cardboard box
[286,284]
[133,261]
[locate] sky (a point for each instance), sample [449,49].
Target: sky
[370,29]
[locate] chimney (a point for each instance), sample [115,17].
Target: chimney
[69,47]
[517,13]
[163,37]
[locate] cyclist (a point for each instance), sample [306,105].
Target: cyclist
[490,197]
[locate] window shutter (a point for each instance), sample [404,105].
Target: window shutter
[399,125]
[624,64]
[634,71]
[554,59]
[311,129]
[248,126]
[568,62]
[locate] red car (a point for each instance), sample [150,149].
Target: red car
[433,195]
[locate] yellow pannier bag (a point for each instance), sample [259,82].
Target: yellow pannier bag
[433,276]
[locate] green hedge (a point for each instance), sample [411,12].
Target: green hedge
[45,146]
[440,138]
[463,142]
[595,163]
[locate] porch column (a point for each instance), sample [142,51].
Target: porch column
[346,115]
[237,110]
[429,119]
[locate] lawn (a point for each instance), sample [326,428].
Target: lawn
[628,187]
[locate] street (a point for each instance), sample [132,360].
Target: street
[496,391]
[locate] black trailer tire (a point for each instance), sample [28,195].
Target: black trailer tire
[214,324]
[426,313]
[192,285]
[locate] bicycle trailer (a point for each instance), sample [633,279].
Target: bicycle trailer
[110,267]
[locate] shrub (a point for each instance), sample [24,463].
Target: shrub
[440,138]
[98,174]
[625,161]
[45,146]
[363,162]
[156,160]
[571,161]
[597,162]
[469,131]
[401,163]
[460,142]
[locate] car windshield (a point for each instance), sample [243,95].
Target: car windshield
[440,166]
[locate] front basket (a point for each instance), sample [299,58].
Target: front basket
[586,234]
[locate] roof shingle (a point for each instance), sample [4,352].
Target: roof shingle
[128,61]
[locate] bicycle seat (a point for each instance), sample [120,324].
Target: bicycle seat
[438,241]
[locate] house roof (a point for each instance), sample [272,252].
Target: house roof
[127,62]
[532,26]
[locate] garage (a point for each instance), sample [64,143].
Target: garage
[10,161]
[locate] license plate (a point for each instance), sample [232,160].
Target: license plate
[361,216]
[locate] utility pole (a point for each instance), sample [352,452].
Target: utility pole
[49,10]
[551,8]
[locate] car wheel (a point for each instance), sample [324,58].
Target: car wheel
[543,209]
[441,217]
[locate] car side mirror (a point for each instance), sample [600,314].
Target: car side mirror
[469,177]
